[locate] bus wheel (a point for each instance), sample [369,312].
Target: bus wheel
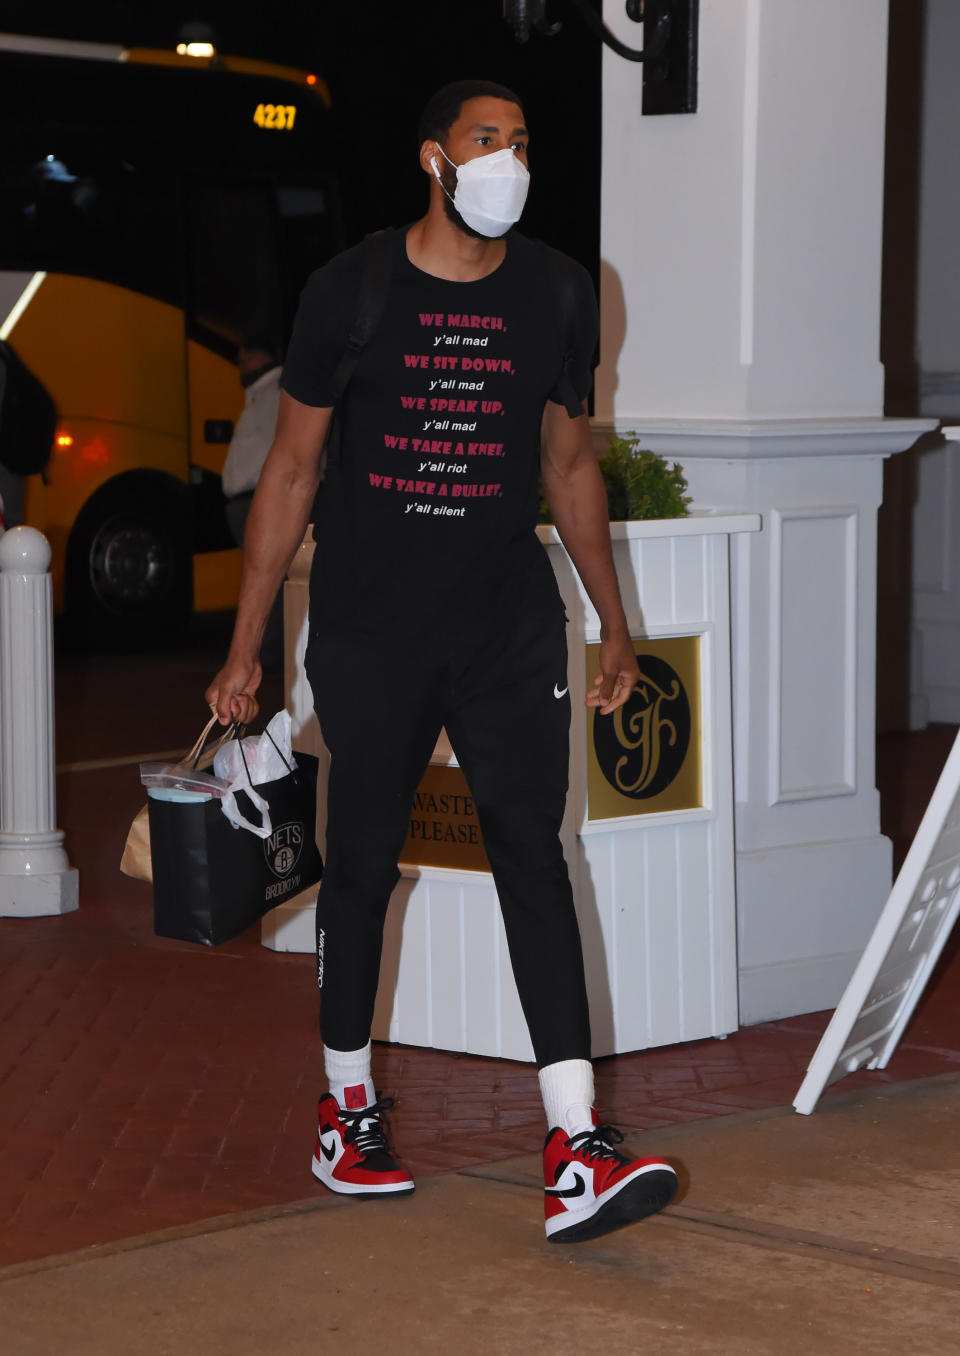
[129,577]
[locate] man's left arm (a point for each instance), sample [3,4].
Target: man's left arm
[578,503]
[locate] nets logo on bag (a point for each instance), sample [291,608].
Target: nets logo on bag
[283,848]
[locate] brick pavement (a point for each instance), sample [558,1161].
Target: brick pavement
[146,1083]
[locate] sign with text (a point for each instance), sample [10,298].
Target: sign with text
[646,758]
[444,829]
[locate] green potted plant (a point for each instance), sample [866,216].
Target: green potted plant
[640,484]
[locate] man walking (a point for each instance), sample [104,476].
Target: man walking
[433,604]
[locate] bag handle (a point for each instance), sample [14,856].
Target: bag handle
[196,753]
[279,754]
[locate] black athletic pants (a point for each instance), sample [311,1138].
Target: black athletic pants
[502,697]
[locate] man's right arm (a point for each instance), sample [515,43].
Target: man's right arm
[275,526]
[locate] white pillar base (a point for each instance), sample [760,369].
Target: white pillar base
[39,895]
[813,869]
[804,915]
[30,854]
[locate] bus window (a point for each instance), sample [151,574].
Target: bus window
[235,289]
[309,227]
[73,206]
[234,273]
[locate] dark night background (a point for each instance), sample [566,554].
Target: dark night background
[382,61]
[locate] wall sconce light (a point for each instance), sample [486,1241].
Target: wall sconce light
[669,52]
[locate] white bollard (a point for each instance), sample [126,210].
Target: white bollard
[35,875]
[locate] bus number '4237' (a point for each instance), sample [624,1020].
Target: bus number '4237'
[278,117]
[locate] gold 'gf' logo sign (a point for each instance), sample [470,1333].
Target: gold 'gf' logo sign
[640,748]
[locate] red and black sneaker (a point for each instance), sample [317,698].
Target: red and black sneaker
[352,1156]
[590,1189]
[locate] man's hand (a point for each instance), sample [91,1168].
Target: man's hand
[231,692]
[578,503]
[618,674]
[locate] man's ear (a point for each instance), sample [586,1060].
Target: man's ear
[429,153]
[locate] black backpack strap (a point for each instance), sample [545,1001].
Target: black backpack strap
[371,299]
[563,288]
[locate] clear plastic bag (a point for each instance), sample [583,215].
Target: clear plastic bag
[178,781]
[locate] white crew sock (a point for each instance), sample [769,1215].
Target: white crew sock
[348,1077]
[567,1091]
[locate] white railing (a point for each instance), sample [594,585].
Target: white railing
[35,875]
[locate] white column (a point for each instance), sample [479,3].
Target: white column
[741,304]
[35,875]
[938,264]
[742,243]
[935,643]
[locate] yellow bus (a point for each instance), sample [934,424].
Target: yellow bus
[154,207]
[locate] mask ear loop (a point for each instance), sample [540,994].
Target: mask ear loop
[436,169]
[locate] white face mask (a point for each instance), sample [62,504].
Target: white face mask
[491,190]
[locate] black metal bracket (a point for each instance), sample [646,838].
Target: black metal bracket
[670,78]
[669,52]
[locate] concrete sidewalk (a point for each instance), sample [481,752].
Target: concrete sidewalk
[832,1233]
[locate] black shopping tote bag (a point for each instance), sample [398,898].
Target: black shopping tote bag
[212,880]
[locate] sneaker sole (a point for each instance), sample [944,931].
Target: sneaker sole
[365,1191]
[645,1194]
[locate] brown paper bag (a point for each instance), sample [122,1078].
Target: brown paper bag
[136,860]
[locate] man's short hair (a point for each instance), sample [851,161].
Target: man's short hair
[444,108]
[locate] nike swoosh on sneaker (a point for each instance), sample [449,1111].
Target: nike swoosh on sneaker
[558,692]
[566,1193]
[328,1153]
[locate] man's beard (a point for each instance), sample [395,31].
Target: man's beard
[453,215]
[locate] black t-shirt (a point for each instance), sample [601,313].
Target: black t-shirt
[427,517]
